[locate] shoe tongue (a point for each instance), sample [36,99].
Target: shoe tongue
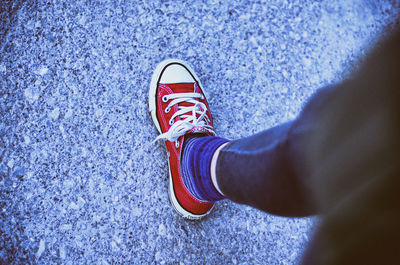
[199,129]
[182,87]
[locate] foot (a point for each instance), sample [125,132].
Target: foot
[179,107]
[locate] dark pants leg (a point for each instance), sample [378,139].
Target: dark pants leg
[339,158]
[265,170]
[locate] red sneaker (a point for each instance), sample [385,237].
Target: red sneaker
[179,107]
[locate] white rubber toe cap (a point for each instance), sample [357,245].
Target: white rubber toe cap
[176,73]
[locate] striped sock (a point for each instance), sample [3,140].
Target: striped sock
[197,154]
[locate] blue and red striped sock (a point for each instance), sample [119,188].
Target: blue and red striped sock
[197,154]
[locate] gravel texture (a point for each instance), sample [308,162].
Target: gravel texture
[80,180]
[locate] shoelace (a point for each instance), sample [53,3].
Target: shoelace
[187,121]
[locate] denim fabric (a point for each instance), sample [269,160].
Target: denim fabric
[339,158]
[266,170]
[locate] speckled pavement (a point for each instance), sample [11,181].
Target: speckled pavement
[81,181]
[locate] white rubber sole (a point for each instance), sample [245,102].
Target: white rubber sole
[153,111]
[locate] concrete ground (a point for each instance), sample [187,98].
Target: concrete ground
[80,180]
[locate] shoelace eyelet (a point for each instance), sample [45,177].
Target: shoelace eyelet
[177,144]
[167,110]
[165,99]
[171,121]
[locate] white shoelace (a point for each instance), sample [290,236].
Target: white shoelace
[187,121]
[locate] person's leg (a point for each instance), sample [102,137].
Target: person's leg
[267,170]
[264,170]
[180,112]
[339,158]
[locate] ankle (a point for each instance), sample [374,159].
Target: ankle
[214,169]
[195,167]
